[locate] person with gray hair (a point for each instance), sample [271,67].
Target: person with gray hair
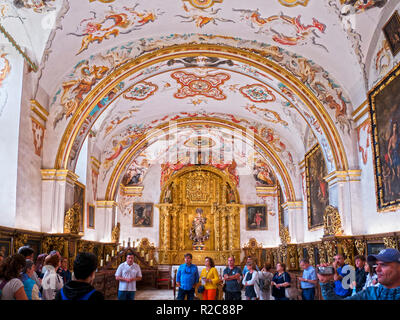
[30,287]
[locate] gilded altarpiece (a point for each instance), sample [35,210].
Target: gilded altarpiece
[193,192]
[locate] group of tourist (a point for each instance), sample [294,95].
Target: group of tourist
[375,278]
[48,278]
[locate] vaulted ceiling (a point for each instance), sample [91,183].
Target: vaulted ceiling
[289,71]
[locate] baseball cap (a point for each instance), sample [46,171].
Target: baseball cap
[386,255]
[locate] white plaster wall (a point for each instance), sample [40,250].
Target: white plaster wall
[151,193]
[29,186]
[10,102]
[268,238]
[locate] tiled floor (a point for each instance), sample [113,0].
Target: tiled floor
[151,294]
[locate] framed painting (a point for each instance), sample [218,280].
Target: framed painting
[5,247]
[79,197]
[256,217]
[317,187]
[384,102]
[391,31]
[142,214]
[90,216]
[374,248]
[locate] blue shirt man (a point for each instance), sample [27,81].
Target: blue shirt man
[388,271]
[339,265]
[186,278]
[308,280]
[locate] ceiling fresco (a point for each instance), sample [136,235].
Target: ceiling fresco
[289,71]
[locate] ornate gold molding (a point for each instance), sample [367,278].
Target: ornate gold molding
[332,222]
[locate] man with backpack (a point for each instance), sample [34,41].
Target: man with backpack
[81,288]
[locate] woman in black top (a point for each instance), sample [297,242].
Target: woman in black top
[280,282]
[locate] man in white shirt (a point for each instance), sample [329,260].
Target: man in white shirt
[127,274]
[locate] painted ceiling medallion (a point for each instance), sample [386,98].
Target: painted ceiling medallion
[293,3]
[141,91]
[199,142]
[203,4]
[257,93]
[193,85]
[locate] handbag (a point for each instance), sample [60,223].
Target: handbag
[201,288]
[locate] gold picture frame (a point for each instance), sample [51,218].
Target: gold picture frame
[317,187]
[384,101]
[256,217]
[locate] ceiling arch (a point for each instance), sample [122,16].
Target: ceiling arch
[332,146]
[165,128]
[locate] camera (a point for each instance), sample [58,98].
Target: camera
[326,270]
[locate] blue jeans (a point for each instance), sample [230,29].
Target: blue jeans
[281,299]
[182,293]
[308,294]
[126,295]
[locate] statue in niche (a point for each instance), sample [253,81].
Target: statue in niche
[198,234]
[168,194]
[230,195]
[115,233]
[72,219]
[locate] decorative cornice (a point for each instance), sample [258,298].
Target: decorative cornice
[360,111]
[271,191]
[292,205]
[342,176]
[96,163]
[41,112]
[59,175]
[18,48]
[105,204]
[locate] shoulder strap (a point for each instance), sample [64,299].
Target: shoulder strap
[63,296]
[87,295]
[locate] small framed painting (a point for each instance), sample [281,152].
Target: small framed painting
[256,217]
[142,214]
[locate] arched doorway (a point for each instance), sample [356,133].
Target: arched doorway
[199,213]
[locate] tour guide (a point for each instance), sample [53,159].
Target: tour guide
[186,278]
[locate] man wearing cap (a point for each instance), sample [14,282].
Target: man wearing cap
[388,271]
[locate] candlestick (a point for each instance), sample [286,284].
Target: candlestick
[101,262]
[112,253]
[108,257]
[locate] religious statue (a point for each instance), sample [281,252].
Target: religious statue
[230,195]
[332,222]
[168,195]
[72,219]
[198,234]
[115,233]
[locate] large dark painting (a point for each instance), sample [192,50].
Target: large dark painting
[317,187]
[384,101]
[79,197]
[142,214]
[392,32]
[256,217]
